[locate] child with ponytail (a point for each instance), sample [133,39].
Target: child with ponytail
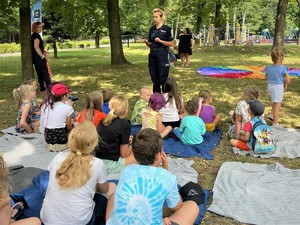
[23,96]
[75,177]
[207,112]
[56,118]
[114,130]
[93,109]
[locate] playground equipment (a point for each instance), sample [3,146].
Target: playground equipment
[292,36]
[265,36]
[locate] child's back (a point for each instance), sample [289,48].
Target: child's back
[146,188]
[192,127]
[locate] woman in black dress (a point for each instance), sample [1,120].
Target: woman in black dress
[186,43]
[159,40]
[38,57]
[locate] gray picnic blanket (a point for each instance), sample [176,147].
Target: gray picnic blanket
[257,193]
[286,142]
[31,151]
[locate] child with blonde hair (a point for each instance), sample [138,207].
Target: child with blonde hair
[23,96]
[8,214]
[140,105]
[114,130]
[35,106]
[75,177]
[241,114]
[278,81]
[93,109]
[174,104]
[56,118]
[151,118]
[192,127]
[207,112]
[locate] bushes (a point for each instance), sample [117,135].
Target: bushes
[10,48]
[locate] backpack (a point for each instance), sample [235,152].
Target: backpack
[261,137]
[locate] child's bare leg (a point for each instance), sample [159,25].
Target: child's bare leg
[28,221]
[217,119]
[109,207]
[166,131]
[187,213]
[233,142]
[276,108]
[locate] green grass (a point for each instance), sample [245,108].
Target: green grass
[87,70]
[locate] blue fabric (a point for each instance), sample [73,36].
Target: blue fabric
[35,194]
[210,141]
[202,207]
[105,108]
[175,147]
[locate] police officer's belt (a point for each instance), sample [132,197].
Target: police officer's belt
[158,49]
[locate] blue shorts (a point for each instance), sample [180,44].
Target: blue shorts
[276,92]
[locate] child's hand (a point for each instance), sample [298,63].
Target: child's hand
[164,160]
[166,221]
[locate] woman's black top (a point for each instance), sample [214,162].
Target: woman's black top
[164,33]
[41,45]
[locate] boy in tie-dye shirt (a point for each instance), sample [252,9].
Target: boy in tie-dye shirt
[143,189]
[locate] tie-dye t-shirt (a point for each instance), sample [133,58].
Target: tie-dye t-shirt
[140,195]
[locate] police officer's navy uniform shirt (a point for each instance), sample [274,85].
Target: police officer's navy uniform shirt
[164,33]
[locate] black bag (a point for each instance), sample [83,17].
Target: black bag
[178,56]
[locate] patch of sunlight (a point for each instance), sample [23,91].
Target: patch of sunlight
[23,149]
[78,79]
[7,74]
[2,100]
[260,59]
[105,85]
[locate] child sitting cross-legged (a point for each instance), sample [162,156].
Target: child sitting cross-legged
[75,177]
[207,112]
[140,105]
[93,109]
[192,127]
[243,142]
[107,96]
[144,188]
[151,118]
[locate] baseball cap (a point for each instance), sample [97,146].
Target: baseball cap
[59,89]
[192,191]
[256,107]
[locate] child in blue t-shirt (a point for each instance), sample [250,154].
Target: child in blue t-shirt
[278,80]
[142,189]
[107,95]
[192,127]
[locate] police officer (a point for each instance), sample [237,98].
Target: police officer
[159,40]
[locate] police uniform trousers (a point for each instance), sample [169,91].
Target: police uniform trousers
[158,63]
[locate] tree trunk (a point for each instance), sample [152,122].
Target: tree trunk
[280,24]
[25,40]
[199,21]
[54,45]
[117,55]
[298,43]
[97,41]
[218,21]
[161,3]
